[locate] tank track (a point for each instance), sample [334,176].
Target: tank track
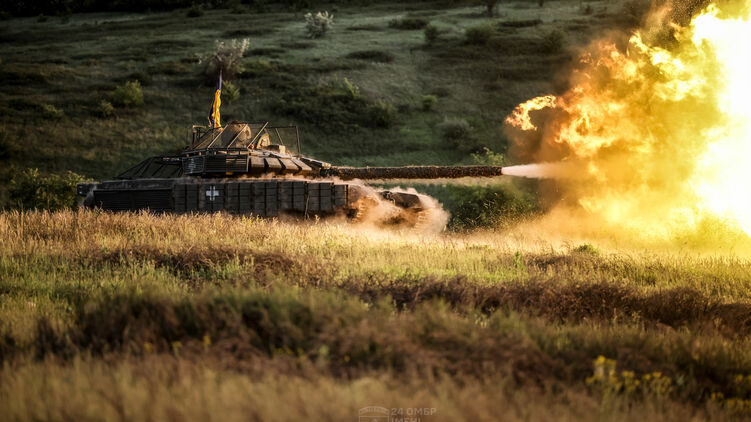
[259,197]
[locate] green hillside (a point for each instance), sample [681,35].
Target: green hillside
[55,72]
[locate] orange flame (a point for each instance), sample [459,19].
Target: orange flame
[663,127]
[520,116]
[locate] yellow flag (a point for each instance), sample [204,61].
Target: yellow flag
[214,118]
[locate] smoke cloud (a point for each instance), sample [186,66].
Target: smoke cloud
[656,132]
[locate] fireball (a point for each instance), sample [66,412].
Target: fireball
[662,127]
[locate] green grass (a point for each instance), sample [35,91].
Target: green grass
[222,303]
[76,65]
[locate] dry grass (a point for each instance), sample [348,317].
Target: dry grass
[167,388]
[230,304]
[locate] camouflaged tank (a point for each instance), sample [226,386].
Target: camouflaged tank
[250,169]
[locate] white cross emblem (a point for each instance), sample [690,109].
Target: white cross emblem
[212,193]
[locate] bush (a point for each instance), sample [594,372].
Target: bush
[479,35]
[351,89]
[105,109]
[230,92]
[408,24]
[431,34]
[32,190]
[489,158]
[487,206]
[383,114]
[128,95]
[194,12]
[227,56]
[496,206]
[586,249]
[42,18]
[429,102]
[51,112]
[372,56]
[455,130]
[317,25]
[553,42]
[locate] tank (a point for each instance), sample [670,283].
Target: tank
[259,170]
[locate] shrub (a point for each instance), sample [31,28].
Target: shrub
[227,56]
[383,114]
[230,92]
[317,25]
[372,56]
[51,112]
[31,190]
[429,102]
[128,95]
[194,12]
[408,24]
[552,42]
[488,206]
[42,18]
[351,89]
[454,130]
[587,249]
[431,34]
[479,35]
[105,109]
[489,158]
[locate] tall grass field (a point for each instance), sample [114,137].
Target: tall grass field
[137,316]
[508,314]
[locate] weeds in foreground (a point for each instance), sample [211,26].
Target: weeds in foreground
[232,294]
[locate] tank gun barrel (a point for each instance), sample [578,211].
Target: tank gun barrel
[412,172]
